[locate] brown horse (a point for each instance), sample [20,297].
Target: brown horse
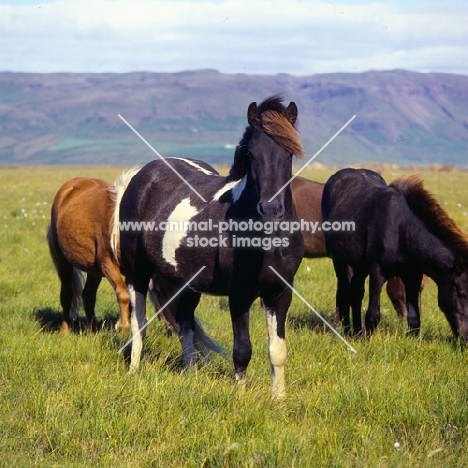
[79,238]
[307,197]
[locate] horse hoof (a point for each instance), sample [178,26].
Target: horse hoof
[122,327]
[275,395]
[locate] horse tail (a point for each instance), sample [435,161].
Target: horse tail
[61,265]
[202,342]
[116,192]
[78,281]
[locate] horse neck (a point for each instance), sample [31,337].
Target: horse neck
[428,250]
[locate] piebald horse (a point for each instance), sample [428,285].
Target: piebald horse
[242,261]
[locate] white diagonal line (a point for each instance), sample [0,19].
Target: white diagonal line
[313,310]
[162,308]
[313,157]
[163,159]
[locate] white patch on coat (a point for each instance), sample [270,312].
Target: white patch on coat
[172,239]
[237,186]
[197,166]
[238,189]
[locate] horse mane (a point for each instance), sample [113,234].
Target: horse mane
[273,120]
[116,192]
[427,208]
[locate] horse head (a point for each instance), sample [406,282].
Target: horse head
[453,298]
[265,154]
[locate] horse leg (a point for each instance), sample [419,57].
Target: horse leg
[137,292]
[186,325]
[337,317]
[89,299]
[342,293]
[112,272]
[357,293]
[159,298]
[376,281]
[396,293]
[65,274]
[276,308]
[239,307]
[71,287]
[412,282]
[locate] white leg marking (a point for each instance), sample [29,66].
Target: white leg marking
[241,380]
[277,353]
[137,321]
[172,239]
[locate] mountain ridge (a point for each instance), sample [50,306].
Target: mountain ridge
[402,117]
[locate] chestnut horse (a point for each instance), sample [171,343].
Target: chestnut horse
[79,238]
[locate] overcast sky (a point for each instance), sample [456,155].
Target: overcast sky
[298,37]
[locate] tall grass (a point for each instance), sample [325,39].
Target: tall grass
[69,400]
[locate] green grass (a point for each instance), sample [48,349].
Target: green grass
[69,400]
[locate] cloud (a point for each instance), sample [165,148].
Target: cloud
[288,36]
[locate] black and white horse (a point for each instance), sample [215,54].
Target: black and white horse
[235,256]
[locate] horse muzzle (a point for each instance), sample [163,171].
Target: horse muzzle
[271,211]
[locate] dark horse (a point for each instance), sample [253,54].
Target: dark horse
[400,230]
[307,198]
[235,263]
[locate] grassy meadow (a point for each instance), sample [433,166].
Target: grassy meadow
[69,400]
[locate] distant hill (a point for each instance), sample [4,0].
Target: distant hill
[402,117]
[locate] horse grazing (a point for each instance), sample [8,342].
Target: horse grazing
[307,198]
[400,230]
[236,259]
[79,241]
[79,238]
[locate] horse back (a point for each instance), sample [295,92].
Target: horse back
[377,213]
[80,221]
[307,198]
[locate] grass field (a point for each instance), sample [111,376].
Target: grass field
[69,400]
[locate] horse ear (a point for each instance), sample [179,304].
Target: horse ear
[252,114]
[291,112]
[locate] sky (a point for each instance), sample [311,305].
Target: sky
[298,37]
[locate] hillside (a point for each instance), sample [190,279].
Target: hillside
[402,117]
